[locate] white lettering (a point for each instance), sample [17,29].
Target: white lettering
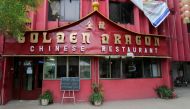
[123,49]
[128,50]
[31,48]
[151,51]
[41,48]
[82,48]
[110,48]
[57,48]
[140,50]
[145,50]
[65,48]
[103,48]
[134,49]
[156,50]
[74,48]
[117,49]
[49,48]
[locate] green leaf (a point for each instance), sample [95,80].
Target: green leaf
[13,16]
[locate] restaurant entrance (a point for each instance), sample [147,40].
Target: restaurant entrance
[28,75]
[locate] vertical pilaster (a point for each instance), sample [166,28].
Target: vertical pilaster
[166,72]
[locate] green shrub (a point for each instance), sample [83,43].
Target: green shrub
[164,92]
[96,97]
[47,95]
[97,94]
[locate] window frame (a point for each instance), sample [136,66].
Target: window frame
[68,65]
[132,22]
[158,63]
[188,28]
[44,69]
[90,68]
[110,71]
[67,68]
[63,20]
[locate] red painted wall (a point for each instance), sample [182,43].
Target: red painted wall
[166,72]
[1,63]
[130,88]
[1,74]
[8,77]
[1,44]
[54,86]
[112,89]
[179,36]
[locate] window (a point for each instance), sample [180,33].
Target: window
[115,67]
[151,68]
[132,68]
[66,67]
[65,10]
[85,67]
[147,68]
[104,67]
[49,67]
[121,12]
[110,67]
[73,66]
[188,27]
[128,67]
[61,67]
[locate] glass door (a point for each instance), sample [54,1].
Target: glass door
[27,78]
[28,73]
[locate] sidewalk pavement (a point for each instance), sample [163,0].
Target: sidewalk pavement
[182,102]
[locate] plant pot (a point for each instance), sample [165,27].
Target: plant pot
[97,103]
[44,102]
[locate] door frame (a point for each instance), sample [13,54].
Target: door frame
[20,73]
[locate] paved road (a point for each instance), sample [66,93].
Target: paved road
[182,102]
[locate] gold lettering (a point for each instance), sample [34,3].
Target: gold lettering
[105,38]
[101,25]
[156,41]
[138,40]
[45,40]
[21,39]
[34,37]
[128,39]
[60,37]
[117,38]
[85,38]
[147,40]
[73,38]
[89,25]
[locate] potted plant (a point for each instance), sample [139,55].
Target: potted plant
[165,92]
[46,98]
[96,98]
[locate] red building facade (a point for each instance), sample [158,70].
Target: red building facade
[128,56]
